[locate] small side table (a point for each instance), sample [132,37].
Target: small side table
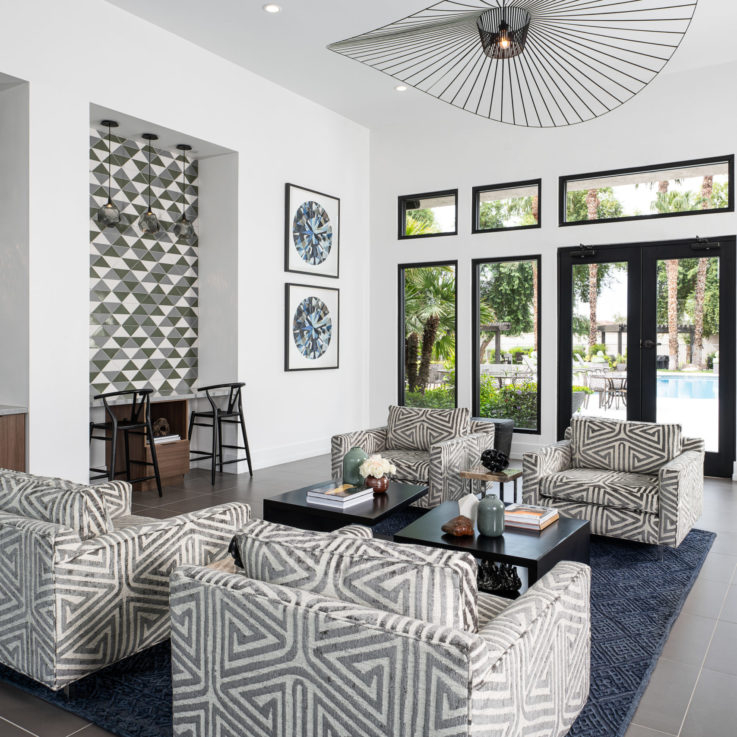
[480,473]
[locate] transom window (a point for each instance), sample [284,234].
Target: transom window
[506,206]
[433,213]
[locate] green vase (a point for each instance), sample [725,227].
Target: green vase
[490,519]
[351,463]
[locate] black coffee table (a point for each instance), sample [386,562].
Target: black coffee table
[291,508]
[538,552]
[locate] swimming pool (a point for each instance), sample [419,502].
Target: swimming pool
[688,386]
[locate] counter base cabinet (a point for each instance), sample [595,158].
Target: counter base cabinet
[13,442]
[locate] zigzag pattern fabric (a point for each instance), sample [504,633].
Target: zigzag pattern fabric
[251,657]
[633,447]
[69,607]
[429,584]
[616,512]
[490,606]
[417,428]
[439,467]
[638,492]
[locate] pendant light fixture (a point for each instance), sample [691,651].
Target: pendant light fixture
[184,228]
[148,221]
[108,214]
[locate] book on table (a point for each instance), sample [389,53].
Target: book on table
[529,516]
[339,497]
[164,439]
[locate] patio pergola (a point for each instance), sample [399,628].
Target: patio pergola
[496,329]
[621,329]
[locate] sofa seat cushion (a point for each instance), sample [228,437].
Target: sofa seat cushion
[633,447]
[132,520]
[490,606]
[56,501]
[637,492]
[429,584]
[412,465]
[418,428]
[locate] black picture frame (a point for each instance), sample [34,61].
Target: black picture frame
[564,180]
[292,260]
[402,210]
[290,356]
[475,205]
[476,264]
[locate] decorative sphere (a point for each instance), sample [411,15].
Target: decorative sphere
[494,460]
[149,223]
[108,215]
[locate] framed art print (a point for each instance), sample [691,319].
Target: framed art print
[311,333]
[311,232]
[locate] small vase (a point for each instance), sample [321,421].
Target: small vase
[491,516]
[379,485]
[351,463]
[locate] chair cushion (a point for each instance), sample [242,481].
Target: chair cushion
[637,492]
[412,465]
[132,520]
[430,584]
[633,447]
[54,500]
[418,428]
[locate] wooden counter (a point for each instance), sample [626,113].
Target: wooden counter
[13,437]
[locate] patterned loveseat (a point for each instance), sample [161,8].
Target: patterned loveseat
[634,480]
[83,583]
[428,446]
[326,634]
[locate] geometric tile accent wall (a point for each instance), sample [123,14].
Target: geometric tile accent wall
[143,288]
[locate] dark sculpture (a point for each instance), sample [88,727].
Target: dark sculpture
[459,526]
[161,427]
[494,460]
[496,579]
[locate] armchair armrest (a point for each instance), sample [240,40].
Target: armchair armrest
[372,441]
[681,483]
[539,649]
[543,462]
[116,496]
[355,531]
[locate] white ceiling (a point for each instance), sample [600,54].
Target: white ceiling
[289,48]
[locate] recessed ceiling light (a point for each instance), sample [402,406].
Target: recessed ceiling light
[401,88]
[272,8]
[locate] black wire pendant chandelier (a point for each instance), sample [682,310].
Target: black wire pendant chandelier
[184,228]
[536,63]
[108,214]
[148,222]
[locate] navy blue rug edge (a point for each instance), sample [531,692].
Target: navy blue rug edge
[666,634]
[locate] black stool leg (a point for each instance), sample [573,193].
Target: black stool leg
[245,439]
[127,456]
[113,451]
[215,444]
[220,441]
[191,426]
[154,459]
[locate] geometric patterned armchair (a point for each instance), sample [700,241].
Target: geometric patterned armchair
[638,481]
[83,583]
[314,637]
[428,446]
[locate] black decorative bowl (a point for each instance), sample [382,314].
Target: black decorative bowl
[494,460]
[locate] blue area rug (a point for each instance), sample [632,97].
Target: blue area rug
[635,598]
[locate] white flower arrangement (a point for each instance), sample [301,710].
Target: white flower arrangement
[377,467]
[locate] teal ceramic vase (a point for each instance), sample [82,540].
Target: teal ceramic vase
[490,519]
[351,463]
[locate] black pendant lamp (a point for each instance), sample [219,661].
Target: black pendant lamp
[184,228]
[108,214]
[149,222]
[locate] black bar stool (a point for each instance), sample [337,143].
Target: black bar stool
[230,414]
[138,423]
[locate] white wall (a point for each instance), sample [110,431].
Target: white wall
[14,243]
[89,51]
[679,116]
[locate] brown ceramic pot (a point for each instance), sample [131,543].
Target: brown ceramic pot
[378,485]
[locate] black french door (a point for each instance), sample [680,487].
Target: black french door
[647,332]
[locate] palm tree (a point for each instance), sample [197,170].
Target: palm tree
[592,213]
[697,352]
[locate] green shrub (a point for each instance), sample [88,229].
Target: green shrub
[582,389]
[514,402]
[710,360]
[518,351]
[595,349]
[443,397]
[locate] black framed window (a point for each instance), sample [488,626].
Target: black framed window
[682,188]
[427,334]
[428,214]
[510,206]
[506,340]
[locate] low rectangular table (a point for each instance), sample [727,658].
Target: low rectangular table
[538,552]
[291,508]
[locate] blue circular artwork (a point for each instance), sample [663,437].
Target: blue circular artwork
[312,233]
[312,328]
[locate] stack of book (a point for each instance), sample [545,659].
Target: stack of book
[339,497]
[163,439]
[529,517]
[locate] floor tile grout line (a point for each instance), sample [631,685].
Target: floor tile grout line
[706,654]
[81,729]
[23,729]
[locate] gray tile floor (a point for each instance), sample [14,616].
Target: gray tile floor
[692,692]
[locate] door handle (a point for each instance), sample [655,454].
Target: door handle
[647,343]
